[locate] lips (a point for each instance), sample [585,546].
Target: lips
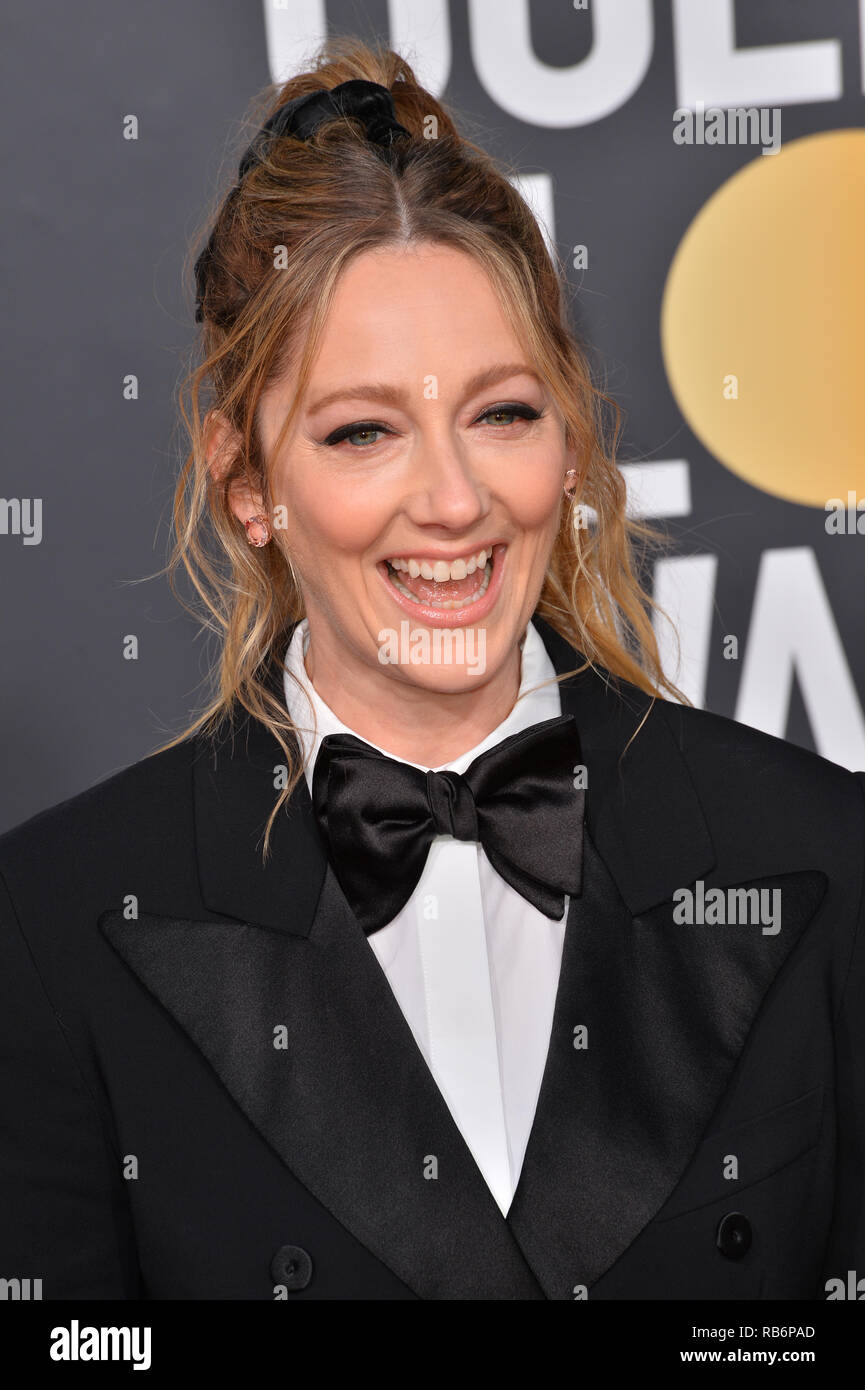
[445,602]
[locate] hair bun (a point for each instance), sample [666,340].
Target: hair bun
[370,102]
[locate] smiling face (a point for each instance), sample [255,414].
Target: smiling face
[422,476]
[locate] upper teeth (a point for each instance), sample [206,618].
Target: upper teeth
[440,570]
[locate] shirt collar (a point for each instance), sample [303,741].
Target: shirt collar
[313,719]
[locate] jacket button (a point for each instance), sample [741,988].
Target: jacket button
[291,1266]
[733,1237]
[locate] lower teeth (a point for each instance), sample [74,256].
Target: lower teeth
[448,603]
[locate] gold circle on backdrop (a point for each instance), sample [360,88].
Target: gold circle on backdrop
[763,320]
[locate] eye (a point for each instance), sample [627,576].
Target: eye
[524,412]
[360,427]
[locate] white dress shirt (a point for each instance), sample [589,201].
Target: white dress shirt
[473,965]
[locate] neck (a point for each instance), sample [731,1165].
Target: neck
[428,727]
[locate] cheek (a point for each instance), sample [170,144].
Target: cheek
[327,520]
[533,494]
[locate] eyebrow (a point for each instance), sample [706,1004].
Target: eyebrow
[387,394]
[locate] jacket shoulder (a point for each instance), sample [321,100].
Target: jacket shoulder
[151,792]
[714,746]
[735,751]
[763,796]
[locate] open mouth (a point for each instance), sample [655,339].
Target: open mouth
[445,586]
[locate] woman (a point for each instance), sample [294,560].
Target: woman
[443,956]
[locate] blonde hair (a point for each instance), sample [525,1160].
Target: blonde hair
[325,200]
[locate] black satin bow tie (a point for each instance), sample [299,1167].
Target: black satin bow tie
[378,817]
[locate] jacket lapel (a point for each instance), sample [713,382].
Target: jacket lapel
[292,1010]
[666,1008]
[307,1037]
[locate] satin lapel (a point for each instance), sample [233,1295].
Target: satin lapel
[666,1007]
[348,1102]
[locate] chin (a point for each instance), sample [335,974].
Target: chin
[444,660]
[453,680]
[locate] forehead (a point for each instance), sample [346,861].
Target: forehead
[421,306]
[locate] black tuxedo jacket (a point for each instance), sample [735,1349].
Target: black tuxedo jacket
[219,1097]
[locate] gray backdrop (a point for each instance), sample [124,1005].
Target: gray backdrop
[582,99]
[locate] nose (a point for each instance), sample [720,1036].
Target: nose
[446,489]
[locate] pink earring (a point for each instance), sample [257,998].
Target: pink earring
[257,530]
[569,486]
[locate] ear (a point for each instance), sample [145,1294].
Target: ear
[222,445]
